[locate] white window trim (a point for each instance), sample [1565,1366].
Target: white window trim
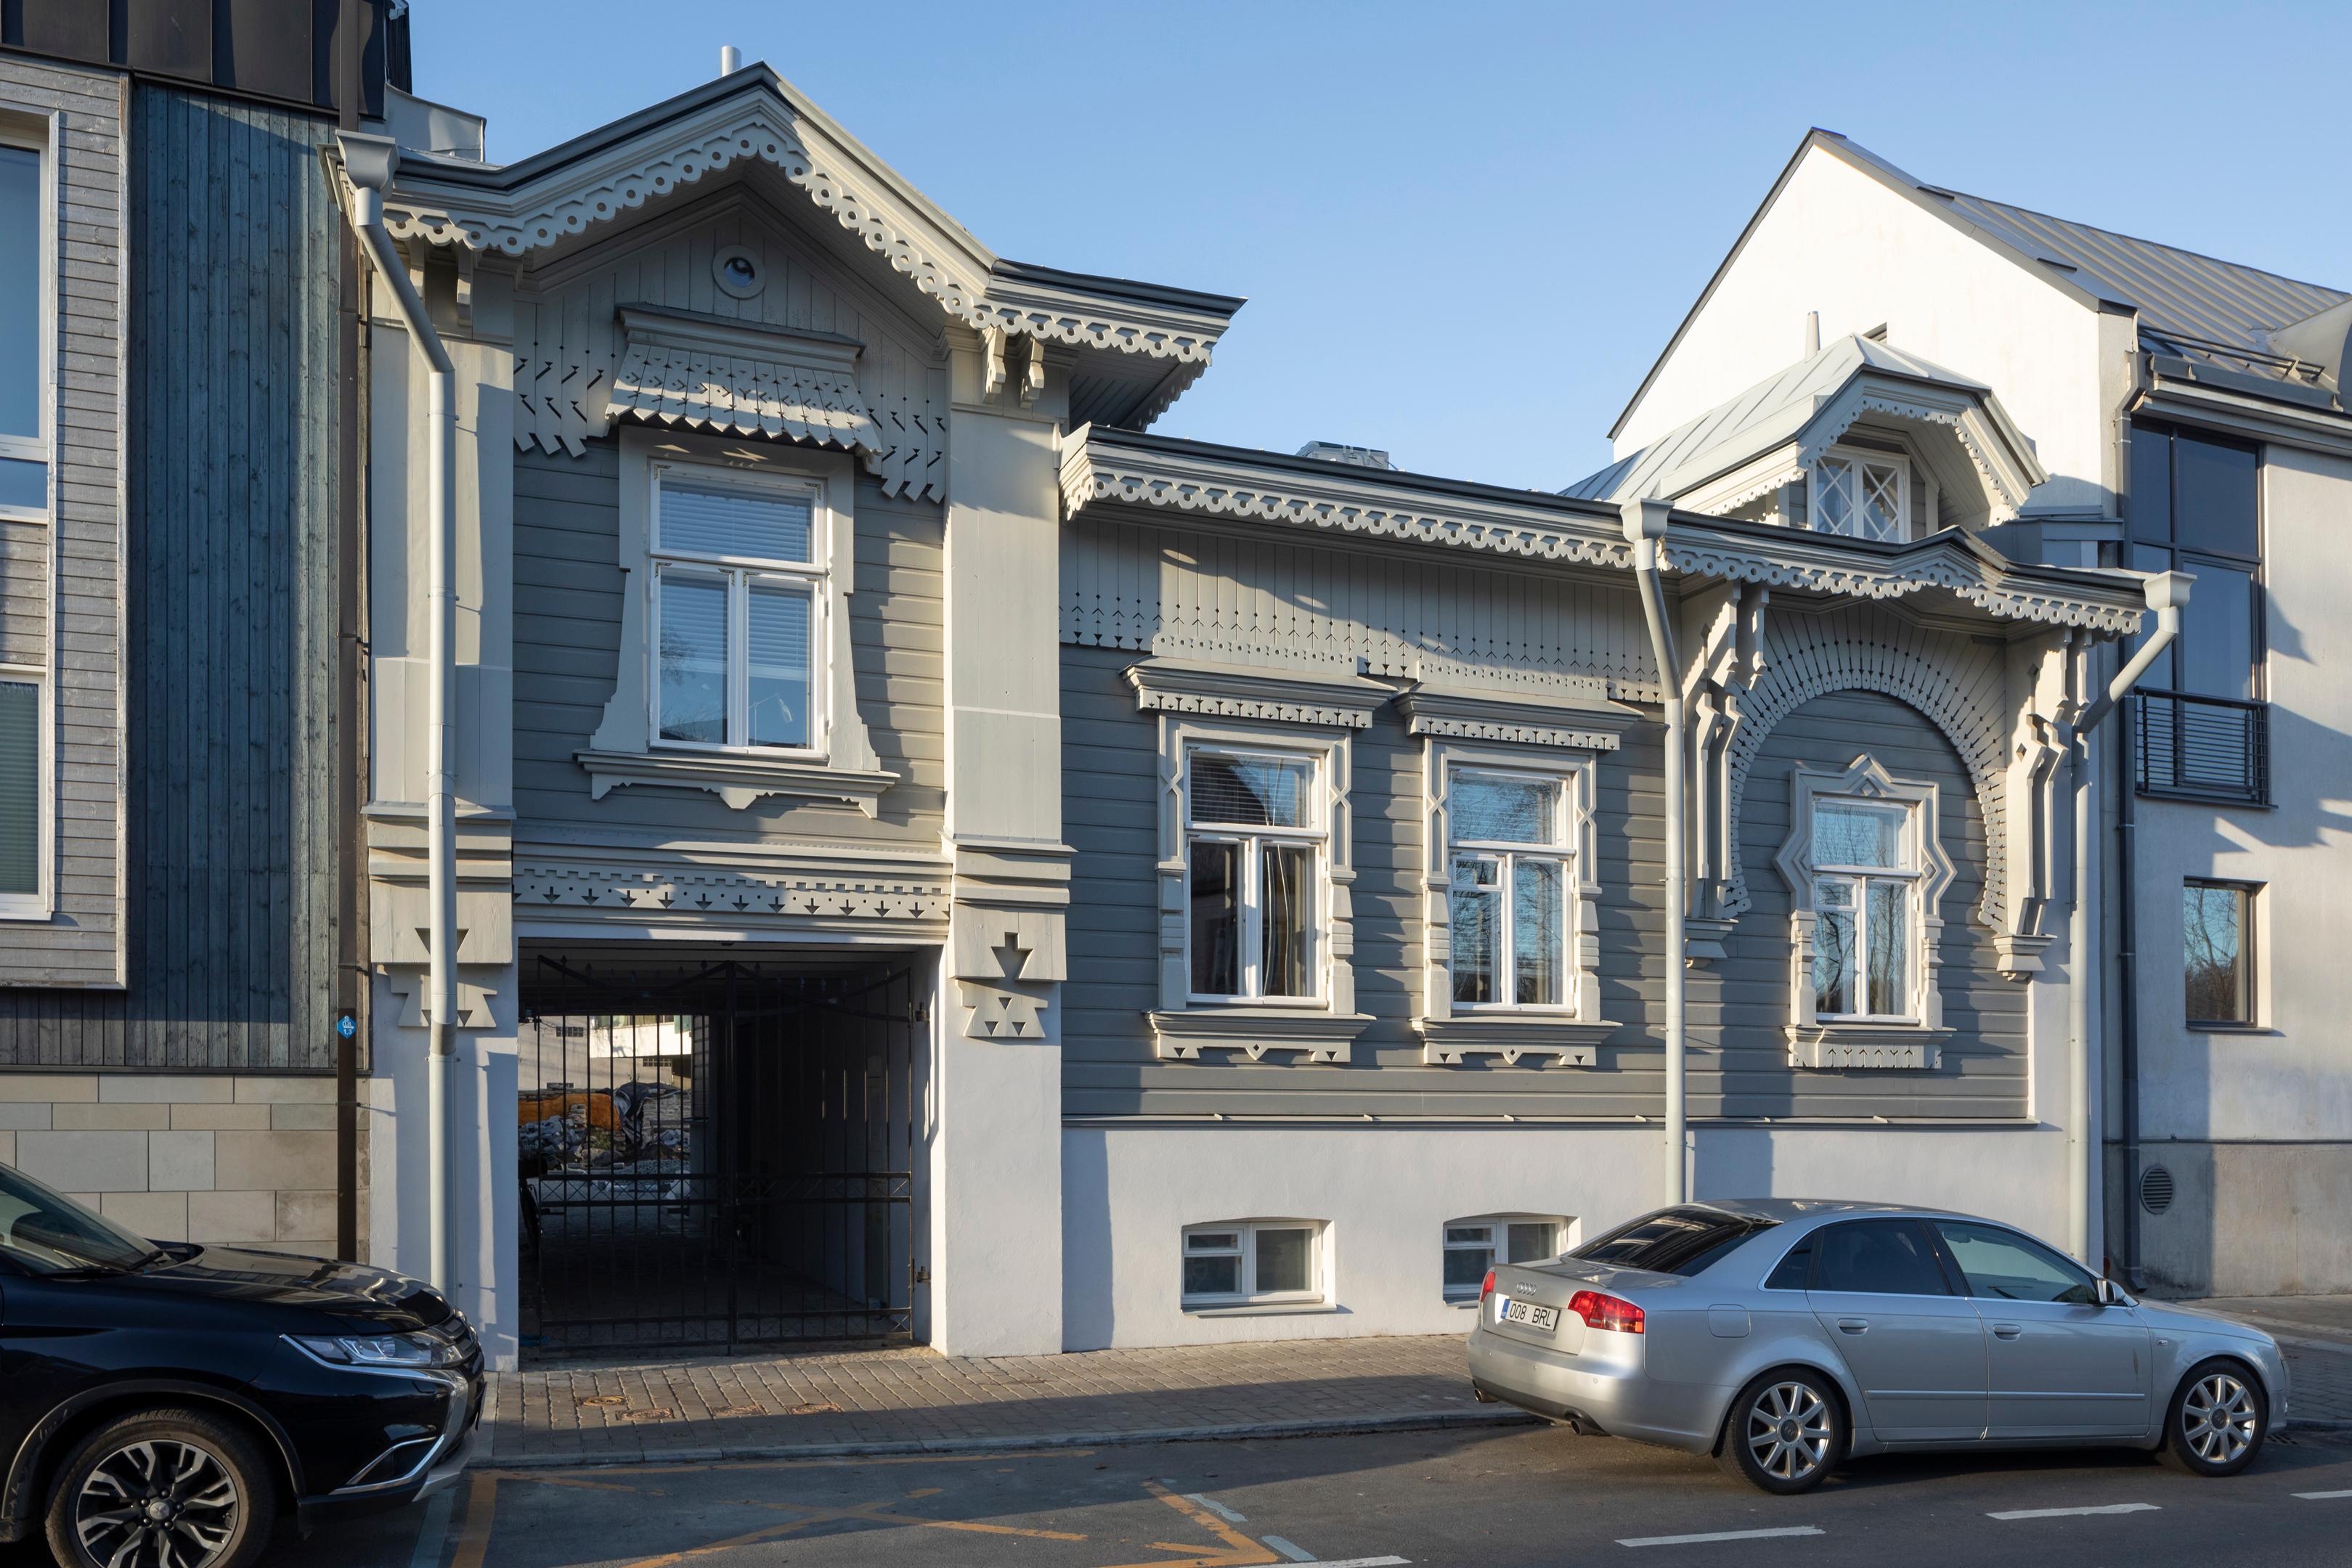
[37,131]
[1912,1039]
[1562,851]
[1899,461]
[841,767]
[1232,708]
[41,904]
[1570,1032]
[1498,1245]
[741,574]
[1317,1297]
[1315,834]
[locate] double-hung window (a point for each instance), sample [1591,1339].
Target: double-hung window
[1509,888]
[1253,1262]
[1865,868]
[1255,842]
[1863,495]
[739,606]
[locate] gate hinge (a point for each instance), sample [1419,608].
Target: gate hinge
[920,1275]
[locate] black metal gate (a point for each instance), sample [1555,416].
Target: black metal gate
[716,1156]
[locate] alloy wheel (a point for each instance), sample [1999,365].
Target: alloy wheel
[1788,1430]
[158,1503]
[2218,1419]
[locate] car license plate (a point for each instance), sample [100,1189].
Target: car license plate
[1544,1318]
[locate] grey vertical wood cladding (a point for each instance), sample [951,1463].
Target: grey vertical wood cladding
[229,640]
[1739,1062]
[567,647]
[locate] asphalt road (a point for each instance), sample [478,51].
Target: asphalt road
[1501,1497]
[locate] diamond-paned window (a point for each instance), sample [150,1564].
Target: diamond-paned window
[1863,495]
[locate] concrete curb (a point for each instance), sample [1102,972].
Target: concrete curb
[1403,1421]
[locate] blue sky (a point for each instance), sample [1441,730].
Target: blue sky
[1465,230]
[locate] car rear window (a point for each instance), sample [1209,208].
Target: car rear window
[1674,1240]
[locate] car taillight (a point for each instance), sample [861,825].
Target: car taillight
[1487,1287]
[1602,1311]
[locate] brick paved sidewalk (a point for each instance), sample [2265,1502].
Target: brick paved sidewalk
[2315,1332]
[910,1400]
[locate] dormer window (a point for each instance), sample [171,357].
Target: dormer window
[1861,495]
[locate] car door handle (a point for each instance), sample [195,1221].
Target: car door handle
[2006,1330]
[1853,1325]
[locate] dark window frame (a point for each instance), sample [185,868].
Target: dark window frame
[2164,715]
[2249,1008]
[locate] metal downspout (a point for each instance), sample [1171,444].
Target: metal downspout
[1645,525]
[2128,993]
[368,162]
[2167,593]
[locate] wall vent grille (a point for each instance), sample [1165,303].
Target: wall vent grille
[2155,1189]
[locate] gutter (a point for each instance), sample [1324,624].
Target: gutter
[2168,594]
[368,163]
[1645,526]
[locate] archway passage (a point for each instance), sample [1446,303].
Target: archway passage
[713,1153]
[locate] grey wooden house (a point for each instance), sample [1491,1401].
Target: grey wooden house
[865,838]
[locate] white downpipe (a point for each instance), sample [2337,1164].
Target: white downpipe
[2168,592]
[1645,525]
[368,160]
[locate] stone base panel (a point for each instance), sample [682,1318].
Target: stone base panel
[213,1159]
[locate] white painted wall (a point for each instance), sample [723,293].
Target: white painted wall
[483,1189]
[1839,242]
[2292,1078]
[1386,1193]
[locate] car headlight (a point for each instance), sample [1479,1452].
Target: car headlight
[390,1350]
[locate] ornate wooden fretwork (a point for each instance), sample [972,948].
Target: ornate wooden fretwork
[758,123]
[622,891]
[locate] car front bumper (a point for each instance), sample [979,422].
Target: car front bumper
[1595,1392]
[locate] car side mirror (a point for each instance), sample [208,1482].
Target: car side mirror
[2112,1295]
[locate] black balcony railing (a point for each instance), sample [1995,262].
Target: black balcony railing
[2207,748]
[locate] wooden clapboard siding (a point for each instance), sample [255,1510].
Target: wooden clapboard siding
[228,649]
[60,581]
[567,648]
[1738,1062]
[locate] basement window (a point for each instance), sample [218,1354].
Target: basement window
[1254,1262]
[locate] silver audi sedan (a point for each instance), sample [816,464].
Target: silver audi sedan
[1785,1335]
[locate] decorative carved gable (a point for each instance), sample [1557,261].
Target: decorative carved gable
[721,318]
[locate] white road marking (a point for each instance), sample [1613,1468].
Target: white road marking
[432,1535]
[2074,1512]
[1718,1535]
[1290,1549]
[1363,1562]
[2321,1496]
[1213,1506]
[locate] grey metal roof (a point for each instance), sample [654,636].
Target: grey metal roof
[1772,411]
[2175,291]
[2216,313]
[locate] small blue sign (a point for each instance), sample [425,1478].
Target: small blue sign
[347,1025]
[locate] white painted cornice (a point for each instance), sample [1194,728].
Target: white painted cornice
[1105,469]
[759,118]
[1269,696]
[1099,467]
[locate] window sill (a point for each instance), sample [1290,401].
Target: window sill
[1318,1035]
[738,779]
[1567,1042]
[2195,1027]
[1266,1310]
[1885,1046]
